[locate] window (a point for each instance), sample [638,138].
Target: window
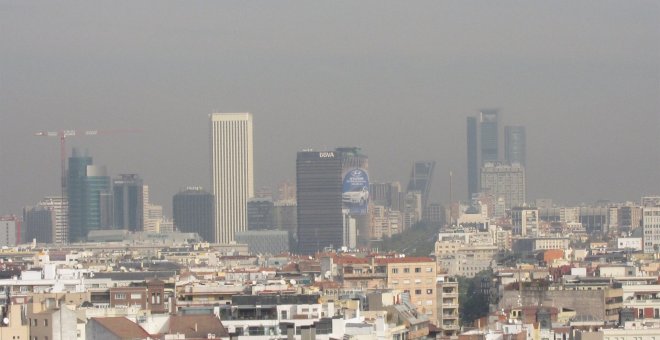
[136,296]
[395,270]
[429,269]
[45,322]
[406,270]
[120,296]
[418,291]
[418,270]
[429,291]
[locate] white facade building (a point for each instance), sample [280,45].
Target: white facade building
[651,225]
[505,181]
[61,208]
[231,172]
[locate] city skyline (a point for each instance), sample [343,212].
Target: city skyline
[588,99]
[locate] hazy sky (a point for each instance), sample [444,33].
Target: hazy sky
[397,78]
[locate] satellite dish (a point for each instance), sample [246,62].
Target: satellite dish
[293,282]
[282,282]
[5,321]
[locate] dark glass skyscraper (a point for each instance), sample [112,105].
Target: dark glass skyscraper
[515,144]
[39,224]
[128,205]
[421,178]
[472,157]
[76,173]
[319,195]
[260,214]
[193,212]
[85,184]
[489,136]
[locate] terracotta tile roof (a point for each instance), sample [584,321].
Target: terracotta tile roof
[122,327]
[197,326]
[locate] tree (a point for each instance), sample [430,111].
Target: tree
[473,302]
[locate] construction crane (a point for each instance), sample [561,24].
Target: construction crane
[64,134]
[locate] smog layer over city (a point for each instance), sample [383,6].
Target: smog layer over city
[324,170]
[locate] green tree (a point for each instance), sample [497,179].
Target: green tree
[473,302]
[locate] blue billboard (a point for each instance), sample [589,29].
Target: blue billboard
[355,191]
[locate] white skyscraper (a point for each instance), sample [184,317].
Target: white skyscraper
[231,172]
[506,181]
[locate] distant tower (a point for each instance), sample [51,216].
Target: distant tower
[472,157]
[86,185]
[231,172]
[319,196]
[128,202]
[504,181]
[488,120]
[515,145]
[260,214]
[193,212]
[421,178]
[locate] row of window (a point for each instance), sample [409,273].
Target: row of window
[35,322]
[405,282]
[407,270]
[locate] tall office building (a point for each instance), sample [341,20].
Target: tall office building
[472,157]
[421,178]
[86,185]
[127,190]
[355,196]
[319,196]
[651,225]
[285,216]
[10,231]
[386,194]
[193,210]
[38,224]
[488,121]
[153,217]
[504,181]
[260,214]
[57,233]
[76,173]
[231,172]
[515,145]
[97,185]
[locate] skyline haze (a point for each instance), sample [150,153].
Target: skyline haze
[395,79]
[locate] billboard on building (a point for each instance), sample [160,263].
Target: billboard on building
[355,191]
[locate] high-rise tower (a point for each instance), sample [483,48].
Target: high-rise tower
[85,186]
[193,212]
[421,178]
[231,172]
[472,157]
[515,144]
[127,190]
[488,121]
[319,195]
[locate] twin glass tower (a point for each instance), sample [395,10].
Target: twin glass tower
[232,173]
